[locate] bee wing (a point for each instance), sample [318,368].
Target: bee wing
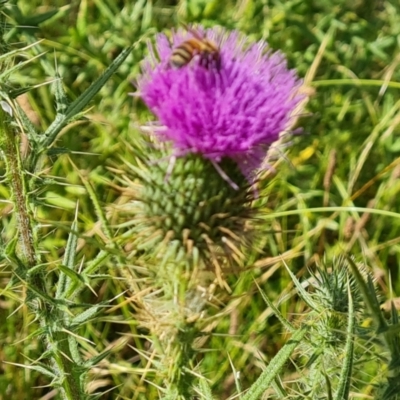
[195,31]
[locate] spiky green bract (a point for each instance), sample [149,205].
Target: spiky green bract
[191,215]
[335,310]
[332,282]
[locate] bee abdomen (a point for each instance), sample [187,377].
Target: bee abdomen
[181,56]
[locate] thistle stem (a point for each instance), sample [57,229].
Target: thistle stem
[9,145]
[28,258]
[180,379]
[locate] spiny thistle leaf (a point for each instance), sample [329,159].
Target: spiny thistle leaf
[69,261]
[276,312]
[82,101]
[40,295]
[18,52]
[36,333]
[346,373]
[85,316]
[31,21]
[61,98]
[74,276]
[35,20]
[10,70]
[369,295]
[95,360]
[76,355]
[275,366]
[42,369]
[303,294]
[205,390]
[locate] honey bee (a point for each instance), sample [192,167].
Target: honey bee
[198,45]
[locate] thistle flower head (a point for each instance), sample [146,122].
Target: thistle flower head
[233,104]
[220,103]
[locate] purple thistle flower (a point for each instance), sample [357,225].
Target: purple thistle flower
[235,109]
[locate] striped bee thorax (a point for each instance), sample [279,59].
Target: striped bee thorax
[206,50]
